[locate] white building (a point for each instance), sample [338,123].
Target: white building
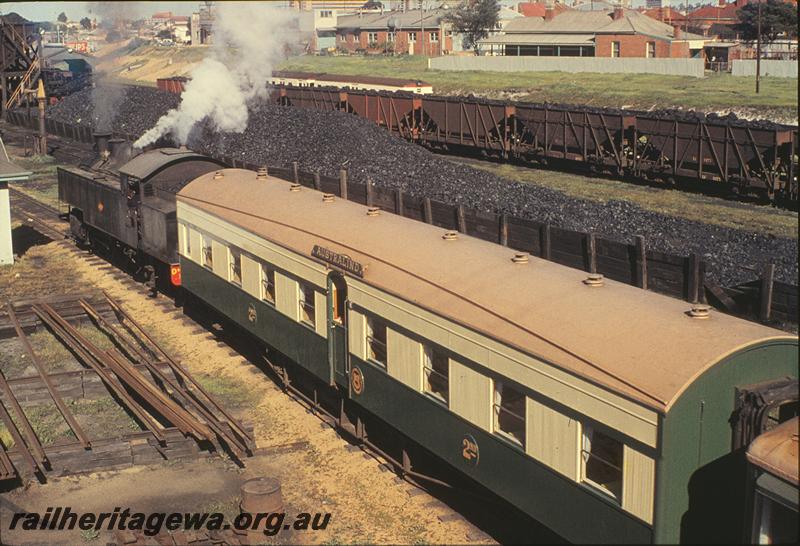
[8,173]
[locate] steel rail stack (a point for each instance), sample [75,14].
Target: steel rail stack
[177,414]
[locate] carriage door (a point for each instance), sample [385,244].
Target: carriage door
[337,328]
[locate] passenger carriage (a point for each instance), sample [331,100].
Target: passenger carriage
[602,410]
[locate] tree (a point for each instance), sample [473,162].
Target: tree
[475,19]
[62,17]
[113,36]
[777,18]
[86,23]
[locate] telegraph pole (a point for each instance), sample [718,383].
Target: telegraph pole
[758,48]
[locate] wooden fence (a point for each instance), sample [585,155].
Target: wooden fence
[765,299]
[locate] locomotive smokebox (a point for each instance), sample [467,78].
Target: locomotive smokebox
[101,139]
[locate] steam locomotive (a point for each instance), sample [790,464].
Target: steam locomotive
[605,412]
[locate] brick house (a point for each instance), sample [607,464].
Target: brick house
[415,32]
[618,32]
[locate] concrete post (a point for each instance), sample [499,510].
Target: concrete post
[6,250]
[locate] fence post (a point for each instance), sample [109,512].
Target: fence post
[295,172]
[317,182]
[398,197]
[694,278]
[370,197]
[641,261]
[504,229]
[343,183]
[591,253]
[461,219]
[544,239]
[428,211]
[765,294]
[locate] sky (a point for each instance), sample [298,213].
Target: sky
[48,11]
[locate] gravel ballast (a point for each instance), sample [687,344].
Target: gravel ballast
[326,141]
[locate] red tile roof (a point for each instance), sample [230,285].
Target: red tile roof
[536,9]
[666,15]
[717,13]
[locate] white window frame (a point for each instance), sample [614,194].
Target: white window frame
[207,252]
[304,290]
[584,459]
[647,50]
[369,338]
[618,50]
[412,37]
[390,37]
[232,268]
[434,37]
[372,37]
[187,240]
[428,352]
[265,271]
[497,407]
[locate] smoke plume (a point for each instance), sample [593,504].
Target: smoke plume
[249,38]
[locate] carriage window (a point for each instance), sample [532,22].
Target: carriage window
[236,266]
[267,284]
[307,304]
[376,340]
[436,369]
[208,254]
[187,240]
[509,412]
[601,457]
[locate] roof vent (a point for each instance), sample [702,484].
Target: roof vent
[218,175]
[700,311]
[450,235]
[327,197]
[594,279]
[261,174]
[520,258]
[295,187]
[373,211]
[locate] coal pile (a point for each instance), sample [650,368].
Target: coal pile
[328,141]
[136,111]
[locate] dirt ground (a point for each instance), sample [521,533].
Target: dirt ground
[367,503]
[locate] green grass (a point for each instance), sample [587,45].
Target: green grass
[701,208]
[715,92]
[231,393]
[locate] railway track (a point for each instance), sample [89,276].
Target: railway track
[45,219]
[48,221]
[62,148]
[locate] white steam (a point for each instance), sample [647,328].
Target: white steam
[249,38]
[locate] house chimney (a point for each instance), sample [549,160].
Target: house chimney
[722,3]
[549,12]
[618,11]
[678,33]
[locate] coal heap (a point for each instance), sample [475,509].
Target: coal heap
[328,141]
